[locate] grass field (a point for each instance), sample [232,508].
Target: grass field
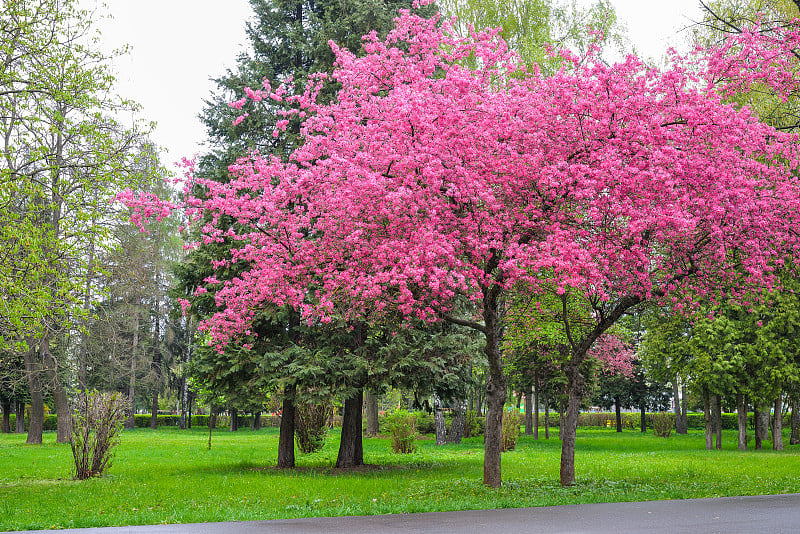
[169,476]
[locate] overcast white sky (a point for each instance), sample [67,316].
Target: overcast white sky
[178,45]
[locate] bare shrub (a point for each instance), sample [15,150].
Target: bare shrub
[511,430]
[96,426]
[662,424]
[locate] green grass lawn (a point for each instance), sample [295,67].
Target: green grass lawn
[169,476]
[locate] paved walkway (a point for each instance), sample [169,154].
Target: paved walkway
[768,514]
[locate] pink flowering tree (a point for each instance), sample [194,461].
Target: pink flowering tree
[428,183]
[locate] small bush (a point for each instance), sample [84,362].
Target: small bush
[311,425]
[425,423]
[511,430]
[402,426]
[96,425]
[662,424]
[474,425]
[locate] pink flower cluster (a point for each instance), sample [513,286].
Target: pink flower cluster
[427,179]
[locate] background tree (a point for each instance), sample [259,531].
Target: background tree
[64,159]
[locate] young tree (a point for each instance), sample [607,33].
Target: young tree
[426,181]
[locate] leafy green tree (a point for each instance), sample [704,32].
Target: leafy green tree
[534,28]
[63,160]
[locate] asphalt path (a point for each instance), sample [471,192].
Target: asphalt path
[766,514]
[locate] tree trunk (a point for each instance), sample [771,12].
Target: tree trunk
[529,411]
[618,410]
[741,419]
[6,415]
[63,412]
[256,421]
[546,414]
[234,422]
[459,422]
[438,421]
[795,437]
[684,411]
[536,406]
[20,419]
[154,411]
[351,448]
[33,370]
[131,422]
[371,400]
[495,390]
[157,371]
[190,408]
[761,422]
[777,424]
[212,417]
[757,429]
[679,426]
[575,387]
[717,406]
[643,417]
[708,419]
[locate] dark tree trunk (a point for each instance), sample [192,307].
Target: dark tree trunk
[717,406]
[761,423]
[575,387]
[286,438]
[795,437]
[234,423]
[546,414]
[529,411]
[438,421]
[6,415]
[459,422]
[618,410]
[212,417]
[741,419]
[157,370]
[63,412]
[20,419]
[757,430]
[495,389]
[536,406]
[777,424]
[256,421]
[130,424]
[154,411]
[707,417]
[33,370]
[371,400]
[351,448]
[643,417]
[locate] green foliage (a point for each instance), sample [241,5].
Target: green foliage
[511,430]
[532,26]
[474,425]
[662,423]
[402,426]
[311,425]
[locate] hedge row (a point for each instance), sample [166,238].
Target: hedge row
[425,423]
